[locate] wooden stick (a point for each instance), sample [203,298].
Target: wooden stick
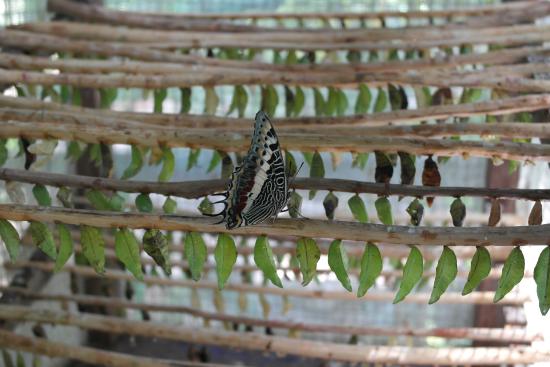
[494,107]
[196,189]
[10,340]
[231,141]
[449,297]
[84,320]
[496,236]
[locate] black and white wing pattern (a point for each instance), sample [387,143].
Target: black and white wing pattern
[258,188]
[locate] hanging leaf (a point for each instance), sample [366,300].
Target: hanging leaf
[360,160]
[512,273]
[535,217]
[290,164]
[338,263]
[308,157]
[445,273]
[371,267]
[381,101]
[93,247]
[416,211]
[8,361]
[168,165]
[470,95]
[19,360]
[299,101]
[317,170]
[225,255]
[291,58]
[384,168]
[195,253]
[107,96]
[211,100]
[15,192]
[342,102]
[479,269]
[319,102]
[144,203]
[289,101]
[423,97]
[41,195]
[383,209]
[159,96]
[127,251]
[98,200]
[194,155]
[412,273]
[363,100]
[353,56]
[136,163]
[239,101]
[270,100]
[308,255]
[494,215]
[65,246]
[430,176]
[266,308]
[542,278]
[43,238]
[95,154]
[398,97]
[64,196]
[185,99]
[10,237]
[330,203]
[206,207]
[358,209]
[458,212]
[331,105]
[294,204]
[214,161]
[3,152]
[227,166]
[155,244]
[170,205]
[408,168]
[263,257]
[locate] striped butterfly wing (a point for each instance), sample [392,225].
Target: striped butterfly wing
[258,189]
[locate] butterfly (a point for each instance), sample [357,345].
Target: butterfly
[258,188]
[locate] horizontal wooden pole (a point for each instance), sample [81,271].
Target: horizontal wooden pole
[485,298]
[459,236]
[231,141]
[196,189]
[85,320]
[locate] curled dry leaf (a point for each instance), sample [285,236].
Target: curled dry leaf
[494,215]
[384,168]
[535,217]
[430,176]
[15,192]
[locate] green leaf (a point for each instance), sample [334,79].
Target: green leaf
[95,154]
[381,101]
[512,273]
[479,269]
[206,206]
[358,209]
[291,58]
[542,278]
[308,255]
[319,102]
[73,151]
[412,273]
[11,238]
[263,257]
[3,152]
[107,96]
[445,273]
[299,101]
[127,251]
[308,157]
[371,267]
[211,100]
[214,161]
[64,196]
[65,246]
[98,200]
[93,247]
[317,170]
[43,238]
[470,95]
[270,100]
[353,56]
[294,204]
[159,97]
[330,203]
[195,253]
[185,99]
[194,155]
[20,361]
[338,263]
[239,101]
[116,202]
[383,209]
[155,244]
[225,255]
[331,104]
[416,211]
[363,100]
[458,212]
[342,102]
[170,205]
[398,97]
[360,160]
[168,165]
[41,195]
[408,168]
[135,165]
[290,164]
[8,360]
[144,203]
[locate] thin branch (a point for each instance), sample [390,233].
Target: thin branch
[449,297]
[83,320]
[481,236]
[196,189]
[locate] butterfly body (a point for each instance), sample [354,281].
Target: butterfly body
[258,188]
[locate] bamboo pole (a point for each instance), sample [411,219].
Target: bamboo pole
[196,189]
[485,298]
[494,107]
[482,236]
[309,349]
[84,320]
[231,141]
[10,340]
